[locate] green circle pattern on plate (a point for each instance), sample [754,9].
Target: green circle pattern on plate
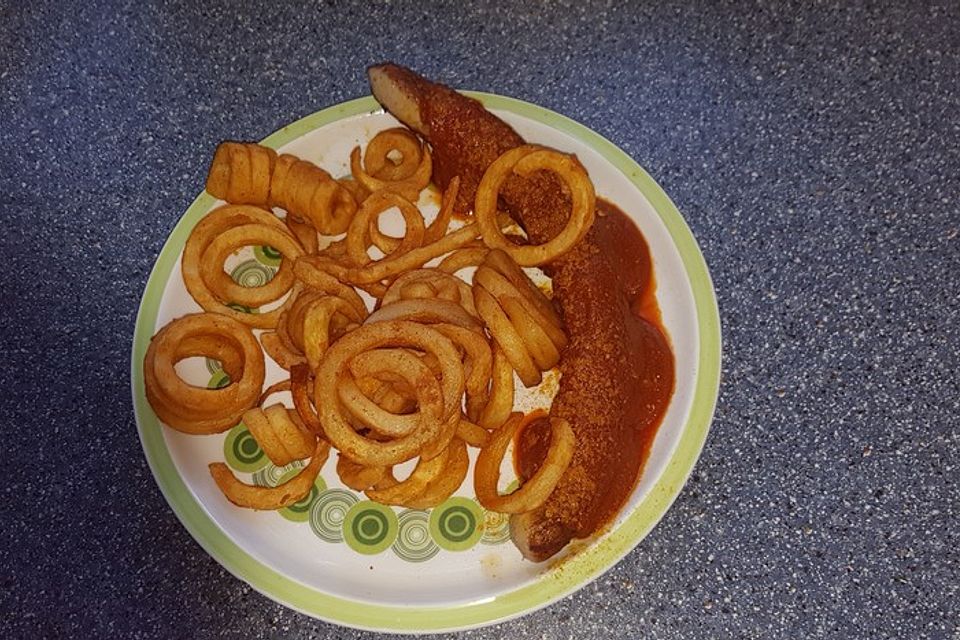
[414,542]
[577,570]
[271,475]
[213,365]
[457,524]
[251,273]
[328,513]
[218,380]
[267,255]
[370,527]
[242,452]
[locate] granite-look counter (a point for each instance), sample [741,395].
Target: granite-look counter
[814,149]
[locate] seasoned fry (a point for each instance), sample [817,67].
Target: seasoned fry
[310,194]
[300,391]
[429,284]
[437,401]
[263,498]
[406,178]
[382,363]
[519,317]
[535,490]
[230,240]
[274,347]
[193,409]
[219,221]
[426,312]
[358,477]
[449,480]
[523,161]
[240,173]
[499,402]
[472,434]
[423,474]
[280,437]
[363,230]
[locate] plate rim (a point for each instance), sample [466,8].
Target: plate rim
[575,572]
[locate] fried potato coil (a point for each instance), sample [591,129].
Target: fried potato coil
[290,324]
[472,434]
[392,265]
[309,193]
[357,190]
[283,495]
[430,483]
[383,365]
[325,320]
[357,476]
[305,234]
[240,173]
[229,241]
[536,489]
[199,268]
[378,170]
[423,474]
[391,394]
[430,284]
[468,256]
[300,391]
[274,347]
[438,228]
[277,387]
[426,312]
[437,401]
[477,363]
[499,397]
[197,410]
[279,435]
[311,322]
[519,317]
[364,232]
[380,159]
[319,273]
[523,161]
[447,481]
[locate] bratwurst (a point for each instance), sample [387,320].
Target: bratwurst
[617,371]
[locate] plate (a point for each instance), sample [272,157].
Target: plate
[340,558]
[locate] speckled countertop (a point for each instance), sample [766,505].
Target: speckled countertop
[814,149]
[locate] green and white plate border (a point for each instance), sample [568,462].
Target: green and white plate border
[575,571]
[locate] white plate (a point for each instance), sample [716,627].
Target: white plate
[345,560]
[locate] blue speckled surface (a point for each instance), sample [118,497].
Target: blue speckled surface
[814,149]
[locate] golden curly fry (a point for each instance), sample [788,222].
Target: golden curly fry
[523,161]
[284,495]
[309,193]
[437,401]
[240,173]
[193,409]
[408,177]
[536,489]
[278,434]
[198,271]
[519,317]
